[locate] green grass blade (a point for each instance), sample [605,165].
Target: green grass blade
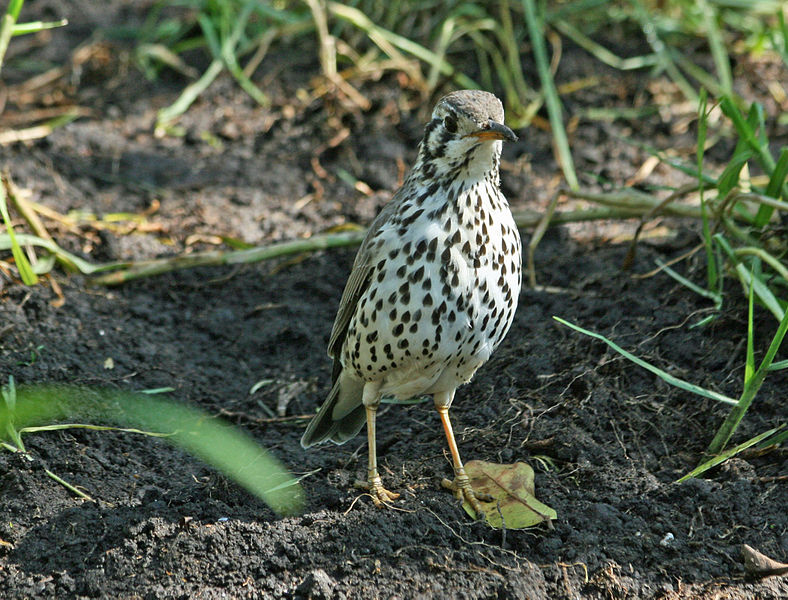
[747,278]
[717,46]
[679,165]
[7,26]
[600,52]
[189,94]
[779,175]
[736,414]
[774,440]
[36,26]
[509,41]
[22,264]
[752,131]
[441,47]
[161,390]
[148,268]
[765,295]
[8,408]
[759,128]
[517,115]
[674,381]
[711,263]
[553,102]
[44,264]
[749,364]
[90,427]
[662,51]
[704,78]
[360,20]
[715,297]
[729,178]
[563,11]
[780,37]
[80,264]
[211,35]
[774,189]
[744,127]
[228,54]
[720,458]
[68,486]
[703,123]
[228,449]
[14,8]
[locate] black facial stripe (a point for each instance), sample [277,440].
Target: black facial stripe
[430,127]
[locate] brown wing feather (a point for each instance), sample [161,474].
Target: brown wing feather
[359,281]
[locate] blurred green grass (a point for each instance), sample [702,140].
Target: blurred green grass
[472,44]
[35,409]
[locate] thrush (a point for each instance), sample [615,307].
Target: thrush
[434,286]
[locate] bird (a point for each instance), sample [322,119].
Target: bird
[433,289]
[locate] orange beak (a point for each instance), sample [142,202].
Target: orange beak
[494,131]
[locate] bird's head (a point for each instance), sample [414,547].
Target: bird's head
[464,137]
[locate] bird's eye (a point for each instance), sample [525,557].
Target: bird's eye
[450,123]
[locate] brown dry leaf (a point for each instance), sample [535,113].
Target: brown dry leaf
[761,565]
[514,505]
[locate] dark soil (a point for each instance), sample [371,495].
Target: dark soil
[608,440]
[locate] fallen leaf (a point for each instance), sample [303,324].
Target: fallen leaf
[514,505]
[761,565]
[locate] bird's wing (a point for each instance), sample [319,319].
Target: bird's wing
[359,280]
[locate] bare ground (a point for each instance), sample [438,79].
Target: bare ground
[607,439]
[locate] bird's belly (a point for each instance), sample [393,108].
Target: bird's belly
[430,326]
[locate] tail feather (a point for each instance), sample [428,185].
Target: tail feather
[341,417]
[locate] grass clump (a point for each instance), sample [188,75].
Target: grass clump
[469,44]
[743,238]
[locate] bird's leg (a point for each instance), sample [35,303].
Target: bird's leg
[380,495]
[461,486]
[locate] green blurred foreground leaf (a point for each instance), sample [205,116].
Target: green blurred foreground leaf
[229,450]
[512,487]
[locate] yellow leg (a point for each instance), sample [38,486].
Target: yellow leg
[380,495]
[461,486]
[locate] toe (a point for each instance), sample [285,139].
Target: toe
[462,490]
[381,497]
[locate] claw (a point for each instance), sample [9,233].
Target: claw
[381,497]
[462,490]
[461,486]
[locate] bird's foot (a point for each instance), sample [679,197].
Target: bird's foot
[380,496]
[462,490]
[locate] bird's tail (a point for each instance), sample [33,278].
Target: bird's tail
[342,415]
